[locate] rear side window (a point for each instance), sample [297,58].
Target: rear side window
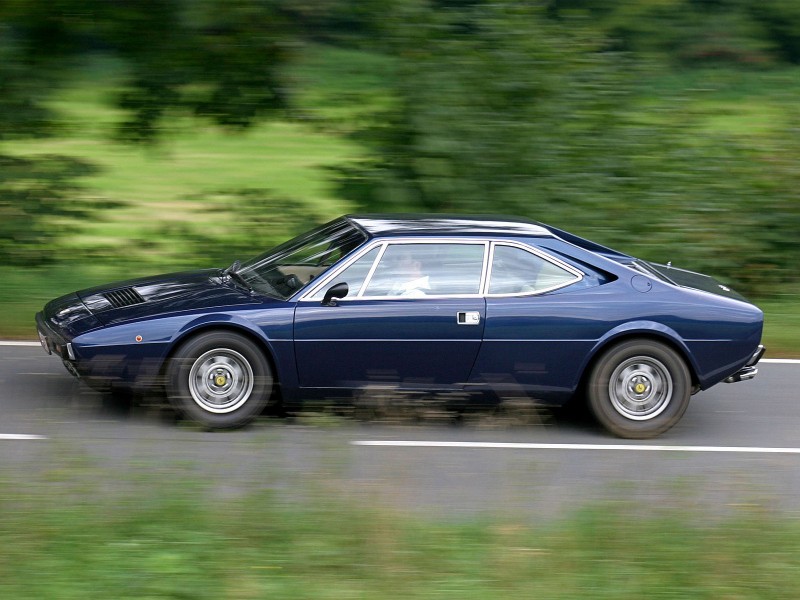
[519,271]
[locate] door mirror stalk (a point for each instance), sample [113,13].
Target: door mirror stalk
[339,290]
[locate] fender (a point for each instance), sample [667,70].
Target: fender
[271,329]
[651,329]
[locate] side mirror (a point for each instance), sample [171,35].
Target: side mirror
[339,290]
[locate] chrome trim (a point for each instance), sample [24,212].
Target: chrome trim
[749,370]
[372,270]
[70,351]
[744,374]
[468,317]
[487,266]
[43,341]
[756,356]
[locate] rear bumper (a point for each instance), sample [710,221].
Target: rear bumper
[749,370]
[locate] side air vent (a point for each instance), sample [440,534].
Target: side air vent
[123,297]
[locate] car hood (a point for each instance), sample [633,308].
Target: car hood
[85,310]
[167,293]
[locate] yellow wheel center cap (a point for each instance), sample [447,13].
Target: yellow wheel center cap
[640,388]
[220,380]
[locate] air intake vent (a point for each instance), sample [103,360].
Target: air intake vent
[123,297]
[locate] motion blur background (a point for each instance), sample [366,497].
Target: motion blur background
[138,137]
[146,136]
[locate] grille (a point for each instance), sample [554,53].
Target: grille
[123,297]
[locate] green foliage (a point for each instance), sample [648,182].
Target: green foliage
[219,59]
[241,224]
[686,32]
[470,106]
[38,206]
[503,110]
[781,19]
[20,84]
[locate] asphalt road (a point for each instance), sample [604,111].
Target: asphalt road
[738,445]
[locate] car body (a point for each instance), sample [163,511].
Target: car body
[429,303]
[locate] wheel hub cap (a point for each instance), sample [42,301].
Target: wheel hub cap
[221,380]
[640,388]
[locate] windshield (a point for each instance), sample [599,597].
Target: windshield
[289,267]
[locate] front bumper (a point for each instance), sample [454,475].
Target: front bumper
[52,341]
[749,370]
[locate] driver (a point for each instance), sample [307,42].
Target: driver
[412,281]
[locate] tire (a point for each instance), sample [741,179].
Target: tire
[639,389]
[221,380]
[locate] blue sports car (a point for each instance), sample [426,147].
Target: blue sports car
[433,303]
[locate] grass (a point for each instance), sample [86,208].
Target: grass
[159,184]
[77,534]
[782,327]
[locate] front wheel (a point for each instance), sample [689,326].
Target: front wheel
[220,379]
[639,389]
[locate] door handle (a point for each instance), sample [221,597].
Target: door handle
[471,317]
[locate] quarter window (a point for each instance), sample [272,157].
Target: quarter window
[517,271]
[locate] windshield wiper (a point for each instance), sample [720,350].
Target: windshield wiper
[233,274]
[237,277]
[233,268]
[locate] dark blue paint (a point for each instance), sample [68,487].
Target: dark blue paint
[541,345]
[407,342]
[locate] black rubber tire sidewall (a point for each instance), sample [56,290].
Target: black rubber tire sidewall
[620,425]
[180,365]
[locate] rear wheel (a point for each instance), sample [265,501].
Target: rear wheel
[219,379]
[639,389]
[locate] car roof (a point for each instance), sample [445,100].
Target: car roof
[387,225]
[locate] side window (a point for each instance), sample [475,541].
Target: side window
[415,270]
[354,275]
[517,271]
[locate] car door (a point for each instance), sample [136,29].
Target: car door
[413,317]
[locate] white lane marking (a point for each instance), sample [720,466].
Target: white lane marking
[624,447]
[20,436]
[32,344]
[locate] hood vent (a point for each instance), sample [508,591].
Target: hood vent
[123,297]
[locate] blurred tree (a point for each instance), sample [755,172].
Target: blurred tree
[220,59]
[781,18]
[249,221]
[518,107]
[688,32]
[38,206]
[501,109]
